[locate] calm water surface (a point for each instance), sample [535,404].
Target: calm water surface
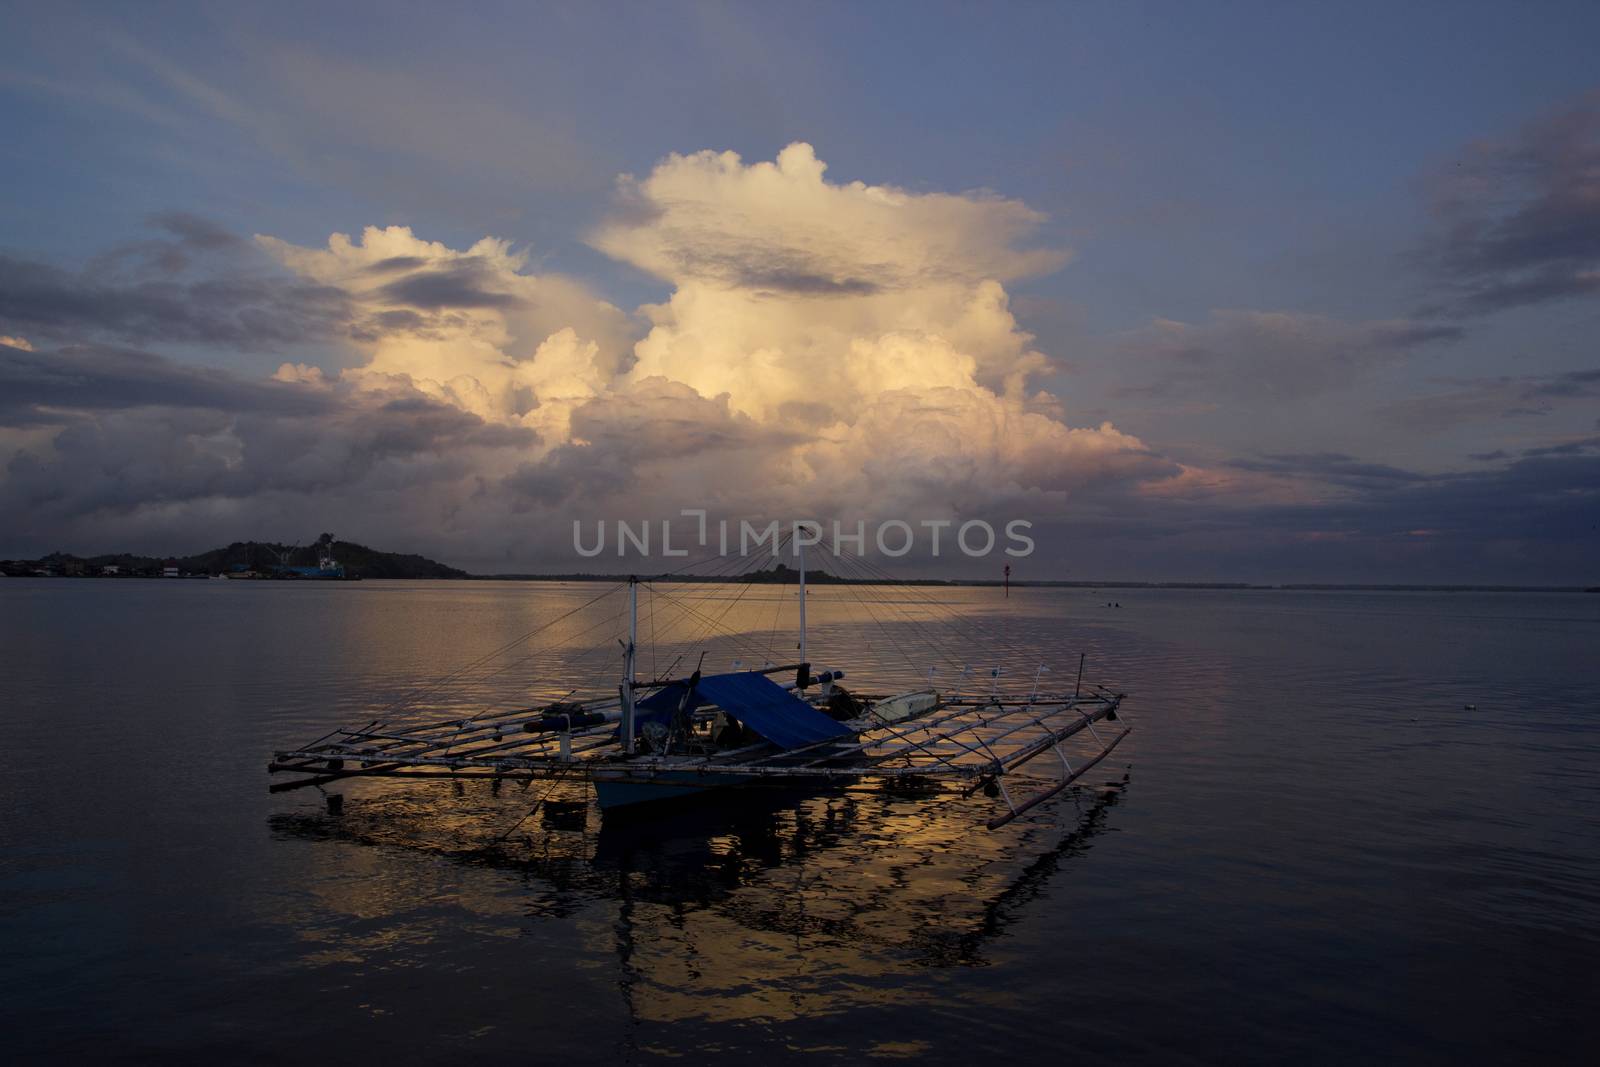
[1346,824]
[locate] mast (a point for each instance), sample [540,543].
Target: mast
[801,545]
[628,664]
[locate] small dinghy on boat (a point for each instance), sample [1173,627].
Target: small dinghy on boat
[650,742]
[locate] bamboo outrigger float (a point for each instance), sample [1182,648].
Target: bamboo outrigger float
[652,741]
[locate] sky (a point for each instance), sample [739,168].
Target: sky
[1238,292]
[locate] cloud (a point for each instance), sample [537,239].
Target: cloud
[1339,518]
[1466,400]
[1517,218]
[840,348]
[1566,448]
[781,226]
[1333,467]
[1268,354]
[472,328]
[851,343]
[824,349]
[197,285]
[50,386]
[98,436]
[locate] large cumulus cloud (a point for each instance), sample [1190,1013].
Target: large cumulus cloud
[823,345]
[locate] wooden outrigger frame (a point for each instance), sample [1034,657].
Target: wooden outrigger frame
[965,744]
[959,743]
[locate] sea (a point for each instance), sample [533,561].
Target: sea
[1347,826]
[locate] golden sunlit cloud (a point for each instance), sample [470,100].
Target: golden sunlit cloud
[847,340]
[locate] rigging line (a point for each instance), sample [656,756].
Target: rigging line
[679,604]
[719,569]
[682,617]
[850,588]
[856,614]
[581,657]
[746,646]
[555,780]
[915,593]
[777,614]
[586,656]
[690,565]
[590,654]
[604,621]
[970,633]
[744,588]
[672,615]
[699,635]
[934,646]
[934,643]
[416,695]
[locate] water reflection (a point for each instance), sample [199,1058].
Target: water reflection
[1361,822]
[758,905]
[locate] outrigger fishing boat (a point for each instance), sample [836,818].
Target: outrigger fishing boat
[653,741]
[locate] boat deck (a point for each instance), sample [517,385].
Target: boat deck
[965,743]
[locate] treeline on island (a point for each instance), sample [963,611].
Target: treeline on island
[241,559]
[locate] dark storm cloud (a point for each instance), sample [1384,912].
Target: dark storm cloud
[36,386]
[195,231]
[187,239]
[1517,219]
[1569,448]
[659,419]
[1540,498]
[460,285]
[131,435]
[568,472]
[240,310]
[228,446]
[655,420]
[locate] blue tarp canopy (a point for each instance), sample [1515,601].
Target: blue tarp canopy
[660,705]
[755,700]
[768,708]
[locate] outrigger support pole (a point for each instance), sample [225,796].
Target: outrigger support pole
[628,666]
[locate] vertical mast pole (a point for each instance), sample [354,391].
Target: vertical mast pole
[628,665]
[801,545]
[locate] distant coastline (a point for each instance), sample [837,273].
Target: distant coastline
[248,560]
[259,559]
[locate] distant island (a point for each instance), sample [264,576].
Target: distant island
[323,558]
[326,558]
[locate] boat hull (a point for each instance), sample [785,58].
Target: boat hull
[614,793]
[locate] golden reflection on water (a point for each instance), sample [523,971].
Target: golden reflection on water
[884,637]
[739,907]
[750,906]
